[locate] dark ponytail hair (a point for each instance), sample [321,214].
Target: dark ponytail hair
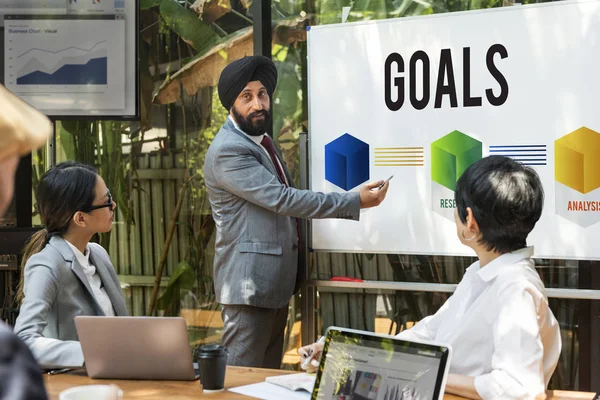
[63,190]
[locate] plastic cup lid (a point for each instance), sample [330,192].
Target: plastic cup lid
[212,350]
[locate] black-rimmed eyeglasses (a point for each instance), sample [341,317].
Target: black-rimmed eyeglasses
[108,204]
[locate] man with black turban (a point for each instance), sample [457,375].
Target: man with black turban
[255,207]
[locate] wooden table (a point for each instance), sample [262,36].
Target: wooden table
[236,376]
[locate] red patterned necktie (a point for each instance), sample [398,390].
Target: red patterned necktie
[268,145]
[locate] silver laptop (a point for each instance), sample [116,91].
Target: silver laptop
[136,348]
[361,365]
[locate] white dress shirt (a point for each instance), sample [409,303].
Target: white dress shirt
[258,140]
[500,328]
[94,280]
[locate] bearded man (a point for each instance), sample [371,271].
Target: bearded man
[255,206]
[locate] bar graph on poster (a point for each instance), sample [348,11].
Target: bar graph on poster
[423,98]
[54,63]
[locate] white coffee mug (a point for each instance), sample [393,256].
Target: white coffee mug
[92,392]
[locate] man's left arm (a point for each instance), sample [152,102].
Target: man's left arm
[239,172]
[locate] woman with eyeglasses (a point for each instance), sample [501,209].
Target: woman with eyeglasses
[63,274]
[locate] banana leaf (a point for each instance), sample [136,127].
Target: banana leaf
[188,26]
[205,68]
[211,10]
[146,4]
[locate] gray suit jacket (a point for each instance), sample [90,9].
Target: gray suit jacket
[256,250]
[56,291]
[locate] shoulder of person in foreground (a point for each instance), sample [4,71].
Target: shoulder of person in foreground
[22,127]
[20,375]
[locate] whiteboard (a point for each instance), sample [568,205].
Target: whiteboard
[519,81]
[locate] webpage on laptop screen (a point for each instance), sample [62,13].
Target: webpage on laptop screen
[361,369]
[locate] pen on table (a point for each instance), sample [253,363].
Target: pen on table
[311,354]
[59,371]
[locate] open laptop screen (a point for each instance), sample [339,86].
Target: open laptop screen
[363,366]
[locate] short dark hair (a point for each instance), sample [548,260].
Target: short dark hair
[507,199]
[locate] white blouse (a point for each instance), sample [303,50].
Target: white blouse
[94,280]
[500,328]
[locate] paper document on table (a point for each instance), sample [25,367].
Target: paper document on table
[268,391]
[294,381]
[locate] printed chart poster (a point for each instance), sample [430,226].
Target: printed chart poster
[423,98]
[66,64]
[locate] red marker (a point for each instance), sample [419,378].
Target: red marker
[345,279]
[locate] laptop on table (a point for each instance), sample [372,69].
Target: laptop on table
[358,365]
[154,348]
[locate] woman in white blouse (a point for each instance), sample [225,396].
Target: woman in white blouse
[64,275]
[505,340]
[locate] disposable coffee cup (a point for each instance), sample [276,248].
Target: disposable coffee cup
[212,362]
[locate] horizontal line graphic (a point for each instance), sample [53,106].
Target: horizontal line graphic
[521,155]
[533,156]
[533,164]
[380,157]
[518,146]
[399,165]
[528,159]
[383,153]
[399,148]
[515,150]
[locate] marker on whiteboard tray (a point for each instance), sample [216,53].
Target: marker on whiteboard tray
[345,279]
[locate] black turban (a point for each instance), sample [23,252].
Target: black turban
[236,76]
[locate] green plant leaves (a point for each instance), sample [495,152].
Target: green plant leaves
[146,4]
[187,25]
[286,97]
[183,278]
[204,69]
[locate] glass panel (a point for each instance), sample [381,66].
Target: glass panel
[155,234]
[401,309]
[390,312]
[163,229]
[570,274]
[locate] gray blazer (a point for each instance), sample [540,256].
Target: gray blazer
[56,291]
[256,249]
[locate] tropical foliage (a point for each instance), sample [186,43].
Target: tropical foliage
[184,45]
